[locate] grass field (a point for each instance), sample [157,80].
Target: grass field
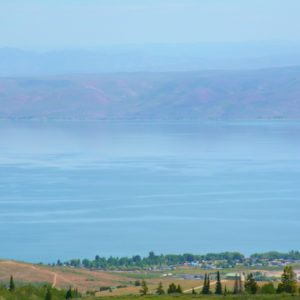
[83,279]
[60,277]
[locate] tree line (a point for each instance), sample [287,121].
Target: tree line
[272,255]
[137,262]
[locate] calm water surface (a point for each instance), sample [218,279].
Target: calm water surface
[77,189]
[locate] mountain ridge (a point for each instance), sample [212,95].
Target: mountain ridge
[148,57]
[272,93]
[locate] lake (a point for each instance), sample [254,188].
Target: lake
[77,189]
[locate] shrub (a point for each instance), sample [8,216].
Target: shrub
[268,288]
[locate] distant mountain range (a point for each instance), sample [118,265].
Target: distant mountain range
[149,58]
[253,94]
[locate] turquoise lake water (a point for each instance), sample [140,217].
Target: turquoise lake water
[77,189]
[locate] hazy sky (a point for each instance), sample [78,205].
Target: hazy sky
[88,23]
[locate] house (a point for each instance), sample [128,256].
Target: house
[193,264]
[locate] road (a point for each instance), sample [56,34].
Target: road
[38,269]
[201,286]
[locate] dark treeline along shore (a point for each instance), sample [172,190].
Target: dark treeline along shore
[218,260]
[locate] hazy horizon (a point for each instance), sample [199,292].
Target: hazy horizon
[89,36]
[90,23]
[149,58]
[263,44]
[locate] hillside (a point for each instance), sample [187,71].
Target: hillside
[123,282]
[84,279]
[57,277]
[149,58]
[257,94]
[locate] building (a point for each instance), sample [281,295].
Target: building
[232,276]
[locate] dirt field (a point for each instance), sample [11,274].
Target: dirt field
[59,276]
[63,277]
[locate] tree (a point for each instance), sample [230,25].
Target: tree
[251,286]
[144,288]
[137,283]
[75,262]
[203,291]
[179,289]
[218,285]
[172,288]
[11,284]
[288,281]
[193,291]
[75,293]
[268,288]
[225,291]
[240,284]
[206,285]
[59,263]
[48,295]
[238,288]
[160,290]
[69,294]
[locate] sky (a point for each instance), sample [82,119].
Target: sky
[92,23]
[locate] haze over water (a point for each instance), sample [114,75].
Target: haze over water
[77,189]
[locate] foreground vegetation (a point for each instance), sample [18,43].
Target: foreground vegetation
[249,289]
[206,297]
[288,285]
[56,295]
[30,292]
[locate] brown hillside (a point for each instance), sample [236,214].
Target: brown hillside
[59,276]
